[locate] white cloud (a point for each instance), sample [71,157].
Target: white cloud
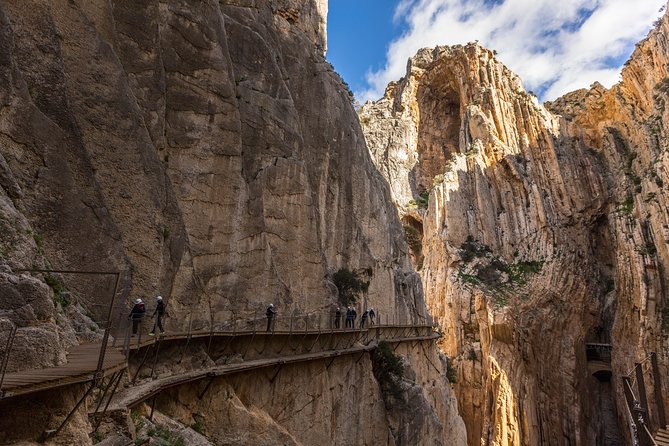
[555,46]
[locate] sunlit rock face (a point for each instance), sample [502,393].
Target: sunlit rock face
[544,231]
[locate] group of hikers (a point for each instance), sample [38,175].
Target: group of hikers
[351,316]
[139,311]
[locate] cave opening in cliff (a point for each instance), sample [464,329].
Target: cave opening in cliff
[438,129]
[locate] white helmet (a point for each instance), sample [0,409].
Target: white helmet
[159,298]
[138,301]
[271,305]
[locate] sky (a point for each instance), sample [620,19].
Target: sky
[555,46]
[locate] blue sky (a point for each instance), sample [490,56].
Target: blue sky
[555,46]
[357,42]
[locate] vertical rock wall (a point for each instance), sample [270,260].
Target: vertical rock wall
[208,151]
[543,232]
[178,142]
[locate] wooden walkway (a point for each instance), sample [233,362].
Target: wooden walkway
[134,395]
[81,365]
[82,360]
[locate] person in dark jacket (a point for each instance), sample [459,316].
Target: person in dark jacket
[158,314]
[372,315]
[337,317]
[363,319]
[137,314]
[354,316]
[349,317]
[271,312]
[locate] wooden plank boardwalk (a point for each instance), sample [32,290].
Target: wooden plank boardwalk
[136,394]
[81,365]
[82,360]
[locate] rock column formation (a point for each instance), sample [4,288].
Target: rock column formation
[543,231]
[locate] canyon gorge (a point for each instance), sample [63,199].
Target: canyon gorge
[208,152]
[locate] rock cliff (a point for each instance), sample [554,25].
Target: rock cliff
[538,230]
[177,142]
[209,152]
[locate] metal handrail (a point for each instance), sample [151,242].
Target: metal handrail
[5,359]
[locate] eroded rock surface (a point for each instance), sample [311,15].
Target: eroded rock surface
[208,152]
[544,231]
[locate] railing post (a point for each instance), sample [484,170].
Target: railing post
[657,387]
[5,359]
[105,337]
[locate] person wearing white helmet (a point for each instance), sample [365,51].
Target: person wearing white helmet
[158,314]
[137,314]
[271,312]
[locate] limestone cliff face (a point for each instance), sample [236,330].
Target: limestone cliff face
[322,403]
[541,233]
[208,151]
[177,141]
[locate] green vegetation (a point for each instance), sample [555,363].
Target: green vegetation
[59,295]
[350,283]
[468,278]
[166,231]
[389,371]
[97,437]
[451,373]
[163,437]
[421,202]
[519,271]
[647,249]
[39,240]
[627,206]
[628,156]
[471,249]
[493,273]
[197,427]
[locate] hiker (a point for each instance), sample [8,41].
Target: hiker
[137,314]
[158,314]
[349,316]
[363,319]
[337,317]
[271,312]
[372,315]
[354,316]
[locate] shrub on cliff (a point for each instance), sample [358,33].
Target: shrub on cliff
[350,283]
[388,371]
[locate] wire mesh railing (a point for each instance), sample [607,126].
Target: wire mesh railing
[138,331]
